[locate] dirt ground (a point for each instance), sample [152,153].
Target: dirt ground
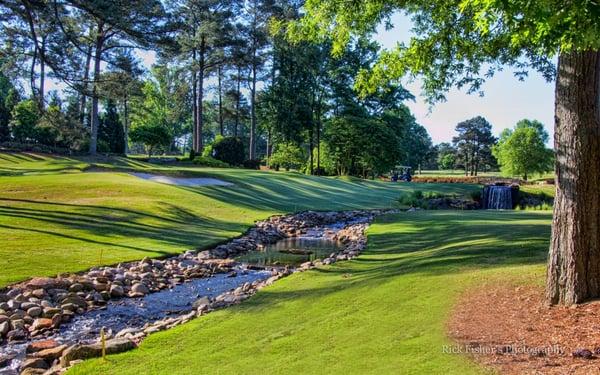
[511,330]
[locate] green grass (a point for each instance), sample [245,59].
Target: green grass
[382,313]
[55,218]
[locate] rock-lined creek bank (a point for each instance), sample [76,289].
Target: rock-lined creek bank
[47,324]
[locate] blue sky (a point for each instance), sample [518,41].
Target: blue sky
[506,100]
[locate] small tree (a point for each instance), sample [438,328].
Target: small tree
[25,116]
[153,137]
[522,151]
[288,156]
[230,150]
[111,131]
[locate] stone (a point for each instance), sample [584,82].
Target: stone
[4,328]
[37,346]
[201,302]
[76,287]
[116,291]
[37,363]
[34,312]
[140,288]
[47,283]
[51,354]
[49,312]
[78,352]
[33,371]
[16,335]
[41,323]
[76,300]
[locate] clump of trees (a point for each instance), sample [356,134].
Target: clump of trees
[522,150]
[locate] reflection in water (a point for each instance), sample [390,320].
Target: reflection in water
[292,251]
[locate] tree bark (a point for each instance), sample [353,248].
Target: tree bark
[573,273]
[252,152]
[84,91]
[200,98]
[237,101]
[42,73]
[219,73]
[95,115]
[194,101]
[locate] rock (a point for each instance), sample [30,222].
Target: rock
[583,353]
[49,312]
[95,350]
[3,318]
[36,363]
[76,287]
[41,345]
[75,300]
[47,283]
[4,328]
[33,371]
[201,302]
[140,288]
[51,354]
[41,323]
[116,291]
[34,312]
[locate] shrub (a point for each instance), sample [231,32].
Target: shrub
[252,163]
[207,161]
[25,116]
[230,150]
[288,156]
[154,137]
[192,154]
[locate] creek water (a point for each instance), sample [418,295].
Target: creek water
[135,312]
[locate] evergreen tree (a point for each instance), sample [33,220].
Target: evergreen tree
[111,133]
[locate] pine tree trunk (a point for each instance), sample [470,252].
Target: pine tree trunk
[252,153]
[194,101]
[237,101]
[95,115]
[221,130]
[573,274]
[84,90]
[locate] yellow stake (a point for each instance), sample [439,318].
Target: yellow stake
[103,340]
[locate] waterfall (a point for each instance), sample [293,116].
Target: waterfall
[498,197]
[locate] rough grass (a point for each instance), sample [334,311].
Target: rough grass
[54,218]
[382,313]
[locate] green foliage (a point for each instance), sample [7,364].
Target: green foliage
[457,43]
[111,131]
[252,164]
[288,156]
[207,161]
[153,136]
[362,146]
[522,151]
[474,145]
[25,117]
[446,156]
[8,99]
[230,150]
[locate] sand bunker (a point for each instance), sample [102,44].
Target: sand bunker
[182,181]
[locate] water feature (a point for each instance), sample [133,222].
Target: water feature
[136,312]
[163,300]
[292,251]
[498,197]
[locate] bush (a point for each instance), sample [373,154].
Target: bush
[25,117]
[207,161]
[252,163]
[230,150]
[192,155]
[154,137]
[31,147]
[288,156]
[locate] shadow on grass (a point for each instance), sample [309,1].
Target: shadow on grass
[98,225]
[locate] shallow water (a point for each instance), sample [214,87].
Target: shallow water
[279,252]
[135,312]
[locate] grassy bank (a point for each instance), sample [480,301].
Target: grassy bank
[383,312]
[54,217]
